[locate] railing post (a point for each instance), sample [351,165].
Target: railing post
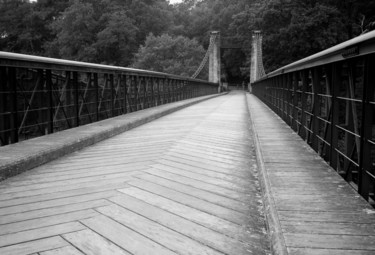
[316,74]
[295,101]
[111,87]
[96,87]
[158,98]
[285,97]
[125,82]
[49,101]
[153,97]
[289,82]
[76,98]
[304,77]
[12,84]
[336,82]
[365,162]
[4,114]
[136,92]
[169,90]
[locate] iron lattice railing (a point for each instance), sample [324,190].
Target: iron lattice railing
[329,99]
[40,95]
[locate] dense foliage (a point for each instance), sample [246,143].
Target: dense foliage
[175,55]
[156,35]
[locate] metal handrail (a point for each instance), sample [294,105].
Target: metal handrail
[361,45]
[24,60]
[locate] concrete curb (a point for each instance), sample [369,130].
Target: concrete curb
[277,242]
[25,155]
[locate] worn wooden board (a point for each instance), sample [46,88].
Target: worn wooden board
[129,240]
[67,250]
[156,232]
[222,212]
[34,246]
[39,233]
[92,243]
[202,194]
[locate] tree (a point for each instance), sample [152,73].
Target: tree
[292,29]
[175,55]
[75,32]
[116,42]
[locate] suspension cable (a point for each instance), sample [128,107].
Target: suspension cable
[204,61]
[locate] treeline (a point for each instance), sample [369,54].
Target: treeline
[156,35]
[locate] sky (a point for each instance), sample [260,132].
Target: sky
[175,1]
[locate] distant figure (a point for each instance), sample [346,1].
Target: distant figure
[243,85]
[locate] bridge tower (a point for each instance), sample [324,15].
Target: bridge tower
[256,65]
[214,58]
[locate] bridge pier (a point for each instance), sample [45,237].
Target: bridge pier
[214,73]
[256,64]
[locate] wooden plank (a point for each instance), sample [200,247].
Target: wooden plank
[39,233]
[204,146]
[185,158]
[91,243]
[343,242]
[190,165]
[343,217]
[326,206]
[156,232]
[67,250]
[52,178]
[329,228]
[52,211]
[46,221]
[122,236]
[56,202]
[307,251]
[203,157]
[50,190]
[205,195]
[199,217]
[240,155]
[219,168]
[214,239]
[237,186]
[63,194]
[34,246]
[197,173]
[79,181]
[221,212]
[53,170]
[199,185]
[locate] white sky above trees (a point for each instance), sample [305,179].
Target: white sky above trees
[175,1]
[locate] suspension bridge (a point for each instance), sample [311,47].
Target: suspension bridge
[98,159]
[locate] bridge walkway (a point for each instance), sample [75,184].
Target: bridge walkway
[192,182]
[186,183]
[311,210]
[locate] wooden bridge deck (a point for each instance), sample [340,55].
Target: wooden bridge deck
[183,184]
[188,183]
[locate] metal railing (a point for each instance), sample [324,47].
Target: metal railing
[328,99]
[41,95]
